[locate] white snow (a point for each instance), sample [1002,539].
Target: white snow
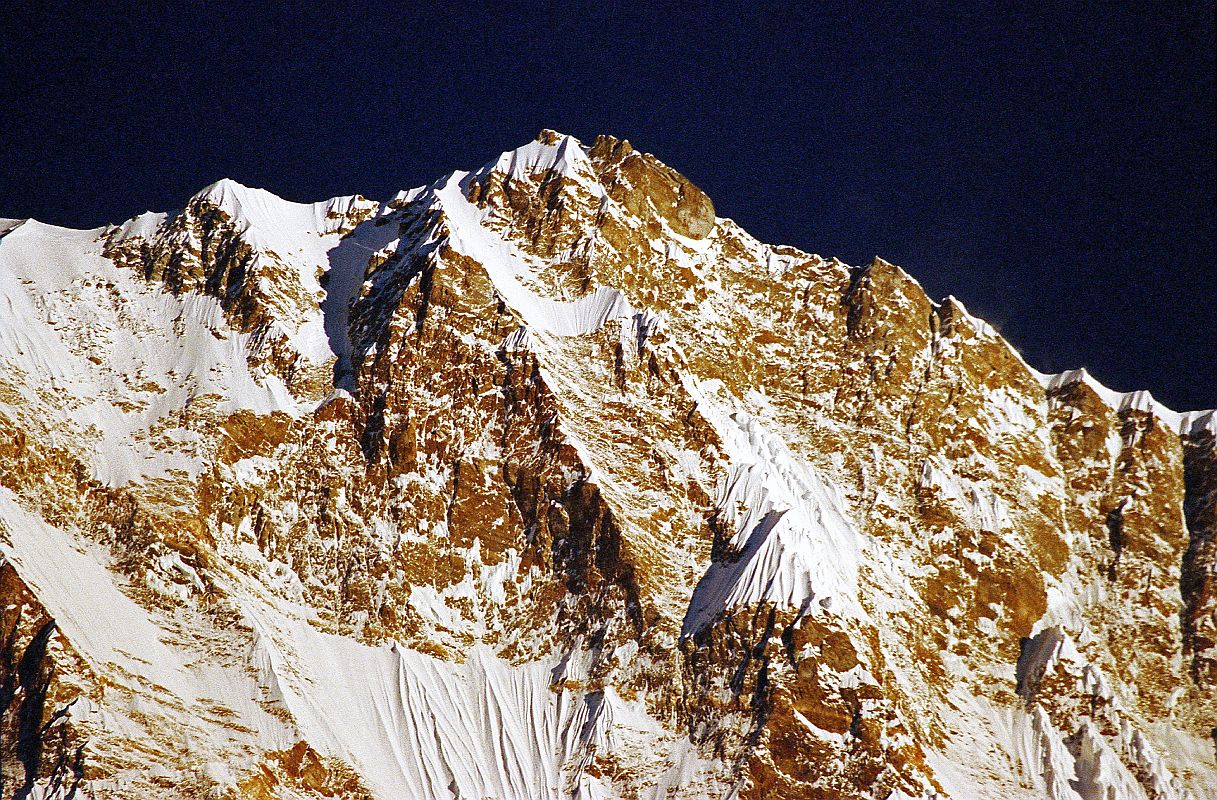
[413,725]
[307,238]
[796,543]
[416,726]
[978,505]
[1101,773]
[347,262]
[565,157]
[1188,423]
[270,223]
[125,643]
[84,341]
[143,226]
[508,270]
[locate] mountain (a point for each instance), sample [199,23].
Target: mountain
[542,481]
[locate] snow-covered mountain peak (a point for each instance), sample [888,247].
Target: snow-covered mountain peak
[549,151]
[542,480]
[270,217]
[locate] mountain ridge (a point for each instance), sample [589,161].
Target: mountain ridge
[730,518]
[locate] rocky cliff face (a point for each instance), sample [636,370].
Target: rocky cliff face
[544,481]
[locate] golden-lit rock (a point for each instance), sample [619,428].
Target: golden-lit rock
[542,480]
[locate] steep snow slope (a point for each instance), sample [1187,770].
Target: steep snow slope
[793,540]
[544,481]
[106,357]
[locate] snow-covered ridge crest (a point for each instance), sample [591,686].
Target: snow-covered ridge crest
[262,212]
[549,152]
[266,221]
[509,271]
[1186,423]
[816,546]
[294,245]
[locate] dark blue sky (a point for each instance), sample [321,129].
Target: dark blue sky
[1052,167]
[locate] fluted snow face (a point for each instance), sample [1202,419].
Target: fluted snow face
[793,541]
[543,481]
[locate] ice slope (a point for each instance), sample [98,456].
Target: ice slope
[347,261]
[419,727]
[413,725]
[127,644]
[794,541]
